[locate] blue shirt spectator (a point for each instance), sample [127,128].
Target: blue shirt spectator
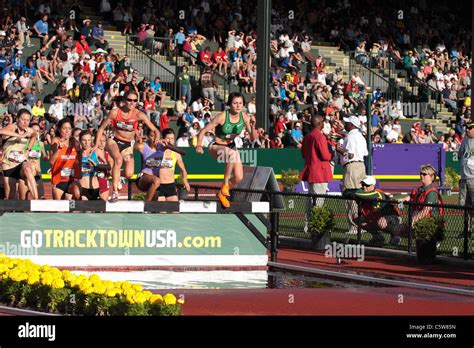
[180,37]
[98,32]
[42,26]
[376,95]
[31,71]
[188,117]
[155,85]
[296,133]
[375,120]
[99,87]
[282,92]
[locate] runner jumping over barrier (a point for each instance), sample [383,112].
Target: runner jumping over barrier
[228,125]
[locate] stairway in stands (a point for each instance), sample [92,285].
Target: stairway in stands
[333,57]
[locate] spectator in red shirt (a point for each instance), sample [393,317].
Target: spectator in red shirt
[280,125]
[221,60]
[205,57]
[82,46]
[164,120]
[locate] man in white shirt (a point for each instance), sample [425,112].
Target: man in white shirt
[183,140]
[353,151]
[197,106]
[56,110]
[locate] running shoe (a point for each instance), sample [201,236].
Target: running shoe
[114,197]
[225,190]
[223,199]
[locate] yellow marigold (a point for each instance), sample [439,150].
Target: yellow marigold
[14,275]
[147,294]
[118,291]
[68,276]
[3,268]
[180,301]
[22,276]
[46,279]
[56,273]
[33,279]
[169,299]
[111,293]
[139,298]
[45,268]
[130,299]
[126,285]
[57,284]
[137,287]
[87,290]
[156,298]
[99,288]
[129,292]
[94,278]
[85,284]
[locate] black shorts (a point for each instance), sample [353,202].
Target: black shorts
[167,190]
[230,145]
[63,186]
[123,145]
[14,173]
[91,194]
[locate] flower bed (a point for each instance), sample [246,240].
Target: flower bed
[24,284]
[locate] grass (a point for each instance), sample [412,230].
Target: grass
[291,224]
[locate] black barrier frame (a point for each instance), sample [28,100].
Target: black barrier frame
[274,215]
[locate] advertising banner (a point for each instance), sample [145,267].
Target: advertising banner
[117,239]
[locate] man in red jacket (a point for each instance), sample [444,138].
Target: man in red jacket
[317,169]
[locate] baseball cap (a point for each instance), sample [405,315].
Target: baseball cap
[352,119]
[82,37]
[368,180]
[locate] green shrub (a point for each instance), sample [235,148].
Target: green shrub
[289,178]
[452,178]
[140,196]
[321,221]
[429,228]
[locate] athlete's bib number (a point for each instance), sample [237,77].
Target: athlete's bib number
[16,156]
[153,162]
[167,163]
[67,172]
[125,126]
[34,154]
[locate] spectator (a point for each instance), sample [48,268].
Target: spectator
[208,84]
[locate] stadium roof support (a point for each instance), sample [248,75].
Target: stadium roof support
[263,62]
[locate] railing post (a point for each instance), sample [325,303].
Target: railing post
[466,233]
[359,216]
[410,232]
[196,193]
[273,231]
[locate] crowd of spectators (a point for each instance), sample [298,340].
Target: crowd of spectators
[91,77]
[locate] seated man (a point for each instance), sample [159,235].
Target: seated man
[378,216]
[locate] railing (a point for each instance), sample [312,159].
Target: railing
[349,229]
[389,88]
[142,58]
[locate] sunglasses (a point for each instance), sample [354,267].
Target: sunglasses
[365,185]
[424,174]
[469,128]
[132,100]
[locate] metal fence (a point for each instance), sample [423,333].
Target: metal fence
[147,58]
[291,221]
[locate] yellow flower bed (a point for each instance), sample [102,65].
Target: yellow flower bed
[25,284]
